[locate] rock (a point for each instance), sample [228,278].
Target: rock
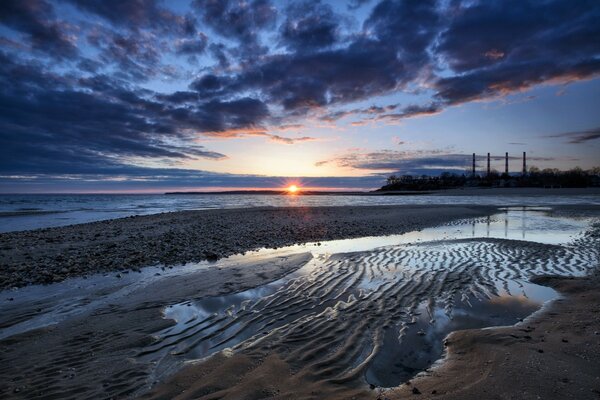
[415,390]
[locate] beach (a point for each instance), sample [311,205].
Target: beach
[257,314]
[191,236]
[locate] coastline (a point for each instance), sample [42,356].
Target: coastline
[190,236]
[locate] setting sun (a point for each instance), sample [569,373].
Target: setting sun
[293,189]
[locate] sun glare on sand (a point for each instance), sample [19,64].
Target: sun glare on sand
[293,189]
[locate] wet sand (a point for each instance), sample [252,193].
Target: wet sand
[53,254]
[327,329]
[555,354]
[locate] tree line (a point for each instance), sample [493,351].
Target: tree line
[535,177]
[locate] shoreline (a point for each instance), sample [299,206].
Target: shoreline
[132,243]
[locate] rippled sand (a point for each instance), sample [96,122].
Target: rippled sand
[319,321]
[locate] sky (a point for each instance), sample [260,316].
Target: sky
[148,96]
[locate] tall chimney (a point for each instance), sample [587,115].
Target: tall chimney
[506,164]
[473,165]
[524,163]
[488,169]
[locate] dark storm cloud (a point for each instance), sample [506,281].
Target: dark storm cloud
[36,19]
[309,25]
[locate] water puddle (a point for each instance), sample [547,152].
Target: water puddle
[379,308]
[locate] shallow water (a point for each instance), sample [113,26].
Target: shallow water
[380,307]
[23,212]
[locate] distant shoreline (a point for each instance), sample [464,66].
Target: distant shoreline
[466,191]
[303,193]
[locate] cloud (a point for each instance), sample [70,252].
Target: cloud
[413,111]
[50,126]
[286,140]
[404,161]
[239,20]
[36,19]
[354,4]
[262,132]
[85,86]
[192,46]
[413,162]
[496,48]
[139,14]
[578,137]
[310,24]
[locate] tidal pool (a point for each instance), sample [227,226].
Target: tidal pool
[378,308]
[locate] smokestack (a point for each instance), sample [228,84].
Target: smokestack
[473,165]
[506,164]
[524,163]
[488,169]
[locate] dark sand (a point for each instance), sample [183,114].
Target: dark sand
[555,354]
[93,355]
[53,254]
[96,354]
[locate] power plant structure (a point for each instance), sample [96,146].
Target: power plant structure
[473,170]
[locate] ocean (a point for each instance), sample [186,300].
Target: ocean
[33,211]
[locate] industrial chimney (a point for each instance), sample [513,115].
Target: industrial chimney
[506,164]
[488,167]
[524,163]
[473,165]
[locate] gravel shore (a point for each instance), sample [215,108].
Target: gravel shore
[51,255]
